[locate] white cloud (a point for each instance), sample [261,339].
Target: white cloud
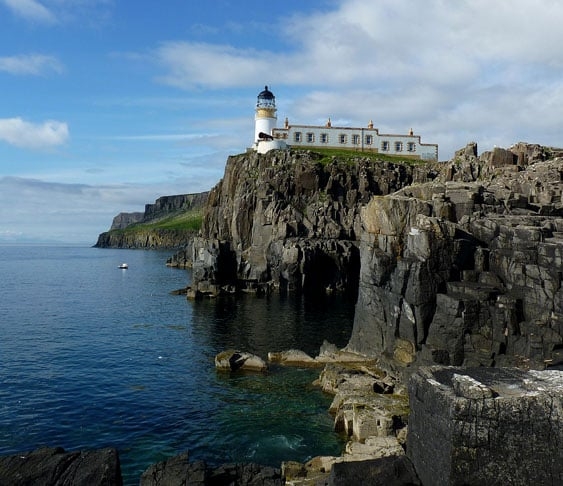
[90,13]
[20,133]
[31,10]
[193,64]
[30,64]
[470,68]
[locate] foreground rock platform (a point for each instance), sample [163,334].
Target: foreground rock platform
[53,466]
[179,470]
[486,426]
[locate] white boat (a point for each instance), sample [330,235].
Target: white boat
[124,266]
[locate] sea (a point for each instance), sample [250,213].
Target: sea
[94,356]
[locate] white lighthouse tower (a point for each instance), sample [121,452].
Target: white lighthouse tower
[264,122]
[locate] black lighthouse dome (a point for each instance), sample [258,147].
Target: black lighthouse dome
[266,98]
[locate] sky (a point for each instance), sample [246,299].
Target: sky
[107,105]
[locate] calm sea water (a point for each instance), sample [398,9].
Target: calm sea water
[93,356]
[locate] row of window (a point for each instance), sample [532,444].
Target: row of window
[343,139]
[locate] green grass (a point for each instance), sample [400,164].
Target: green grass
[350,155]
[188,221]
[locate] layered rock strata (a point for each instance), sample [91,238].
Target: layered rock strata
[289,220]
[153,238]
[486,426]
[466,272]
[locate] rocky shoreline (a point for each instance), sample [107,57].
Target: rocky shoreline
[450,374]
[446,425]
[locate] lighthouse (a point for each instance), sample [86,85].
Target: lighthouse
[265,118]
[265,122]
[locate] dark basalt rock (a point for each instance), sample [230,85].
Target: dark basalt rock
[386,471]
[491,426]
[55,467]
[287,220]
[467,272]
[179,470]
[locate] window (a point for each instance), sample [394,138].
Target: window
[398,146]
[369,139]
[310,137]
[297,136]
[342,138]
[411,147]
[324,137]
[385,146]
[356,139]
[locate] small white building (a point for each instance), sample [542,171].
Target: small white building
[368,139]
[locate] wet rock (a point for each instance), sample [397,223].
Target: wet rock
[176,470]
[232,360]
[179,470]
[56,467]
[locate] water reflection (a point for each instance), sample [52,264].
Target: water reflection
[272,323]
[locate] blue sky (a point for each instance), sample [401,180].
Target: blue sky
[109,104]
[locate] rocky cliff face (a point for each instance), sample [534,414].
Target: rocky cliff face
[290,220]
[467,270]
[150,237]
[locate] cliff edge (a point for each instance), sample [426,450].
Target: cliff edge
[170,222]
[290,220]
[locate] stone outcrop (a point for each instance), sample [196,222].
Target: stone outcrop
[55,467]
[232,360]
[153,238]
[179,470]
[486,426]
[122,220]
[290,220]
[148,239]
[466,270]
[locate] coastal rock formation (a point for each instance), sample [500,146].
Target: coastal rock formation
[122,220]
[127,230]
[55,467]
[466,270]
[290,220]
[148,239]
[179,470]
[486,426]
[232,360]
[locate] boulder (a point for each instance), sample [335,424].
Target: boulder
[385,471]
[486,426]
[176,470]
[179,470]
[247,474]
[53,466]
[232,360]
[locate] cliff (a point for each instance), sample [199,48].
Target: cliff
[290,220]
[458,263]
[170,222]
[467,270]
